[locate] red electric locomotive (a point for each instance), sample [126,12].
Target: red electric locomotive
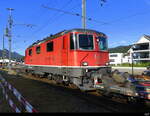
[77,56]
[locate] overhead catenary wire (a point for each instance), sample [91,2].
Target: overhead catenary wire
[33,15]
[46,23]
[96,21]
[71,13]
[65,12]
[130,16]
[55,15]
[77,14]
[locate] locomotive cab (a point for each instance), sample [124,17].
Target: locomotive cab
[89,54]
[88,49]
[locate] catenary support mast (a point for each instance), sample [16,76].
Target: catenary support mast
[84,14]
[10,23]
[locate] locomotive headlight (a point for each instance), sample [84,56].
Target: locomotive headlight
[107,63]
[84,64]
[136,94]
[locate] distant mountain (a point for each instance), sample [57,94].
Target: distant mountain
[120,49]
[15,56]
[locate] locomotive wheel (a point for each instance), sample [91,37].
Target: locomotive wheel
[105,93]
[66,83]
[49,77]
[37,76]
[58,80]
[101,92]
[73,86]
[103,71]
[131,100]
[30,74]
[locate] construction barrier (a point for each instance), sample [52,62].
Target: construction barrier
[28,107]
[10,102]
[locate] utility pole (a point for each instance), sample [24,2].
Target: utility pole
[10,23]
[84,14]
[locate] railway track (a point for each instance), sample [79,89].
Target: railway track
[71,86]
[93,98]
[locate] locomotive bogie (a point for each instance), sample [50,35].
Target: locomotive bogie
[83,78]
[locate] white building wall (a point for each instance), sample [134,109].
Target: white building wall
[5,61]
[119,58]
[127,59]
[116,58]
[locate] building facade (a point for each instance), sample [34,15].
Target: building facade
[140,51]
[115,58]
[119,58]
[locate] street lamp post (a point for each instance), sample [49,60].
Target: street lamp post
[132,55]
[132,63]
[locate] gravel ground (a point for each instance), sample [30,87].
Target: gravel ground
[51,98]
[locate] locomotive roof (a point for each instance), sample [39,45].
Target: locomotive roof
[65,32]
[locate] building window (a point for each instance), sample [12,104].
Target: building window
[30,52]
[38,50]
[50,46]
[115,55]
[112,60]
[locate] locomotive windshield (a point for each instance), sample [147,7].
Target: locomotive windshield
[86,42]
[102,43]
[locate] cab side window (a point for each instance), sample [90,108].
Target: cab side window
[38,49]
[30,52]
[50,46]
[72,45]
[64,42]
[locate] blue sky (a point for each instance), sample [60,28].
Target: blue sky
[127,20]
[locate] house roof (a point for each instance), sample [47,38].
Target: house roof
[147,37]
[144,39]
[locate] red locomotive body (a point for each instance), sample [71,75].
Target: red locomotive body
[71,56]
